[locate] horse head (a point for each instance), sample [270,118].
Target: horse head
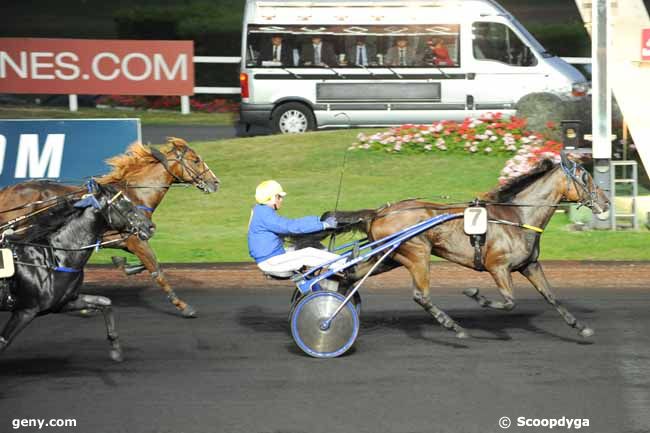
[186,166]
[119,212]
[581,187]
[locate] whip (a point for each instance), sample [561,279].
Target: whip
[338,196]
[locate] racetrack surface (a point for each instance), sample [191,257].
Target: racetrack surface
[236,368]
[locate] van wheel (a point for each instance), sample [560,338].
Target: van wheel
[293,118]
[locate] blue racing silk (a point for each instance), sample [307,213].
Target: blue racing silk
[266,227]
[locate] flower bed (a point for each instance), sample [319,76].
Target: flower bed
[489,135]
[218,105]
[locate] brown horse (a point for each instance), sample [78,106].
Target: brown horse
[518,212]
[144,174]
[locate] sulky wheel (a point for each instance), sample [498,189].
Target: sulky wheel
[308,322]
[295,299]
[356,298]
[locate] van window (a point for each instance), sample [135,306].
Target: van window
[354,46]
[496,41]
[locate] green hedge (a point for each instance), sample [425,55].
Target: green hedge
[565,40]
[214,26]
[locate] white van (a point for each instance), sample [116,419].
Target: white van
[325,63]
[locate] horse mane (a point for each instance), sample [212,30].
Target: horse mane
[136,157]
[507,192]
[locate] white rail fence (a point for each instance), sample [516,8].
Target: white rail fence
[185,100]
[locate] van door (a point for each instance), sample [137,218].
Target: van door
[503,68]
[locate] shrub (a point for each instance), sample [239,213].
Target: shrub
[490,134]
[218,105]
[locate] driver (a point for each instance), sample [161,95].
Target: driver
[266,226]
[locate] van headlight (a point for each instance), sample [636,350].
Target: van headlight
[580,89]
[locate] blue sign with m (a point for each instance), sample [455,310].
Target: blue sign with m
[65,150]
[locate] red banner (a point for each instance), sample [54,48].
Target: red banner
[91,67]
[645,44]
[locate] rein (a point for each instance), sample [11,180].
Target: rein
[39,202]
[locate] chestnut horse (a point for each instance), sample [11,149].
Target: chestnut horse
[518,212]
[144,174]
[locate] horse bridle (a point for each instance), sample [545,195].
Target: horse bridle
[197,177]
[105,210]
[588,195]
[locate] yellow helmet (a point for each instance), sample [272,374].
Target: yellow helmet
[267,190]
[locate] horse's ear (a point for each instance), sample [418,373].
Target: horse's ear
[564,158]
[92,186]
[177,142]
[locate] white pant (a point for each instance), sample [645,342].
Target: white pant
[284,264]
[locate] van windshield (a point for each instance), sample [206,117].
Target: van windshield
[436,45]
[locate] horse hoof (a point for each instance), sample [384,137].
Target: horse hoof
[472,293]
[118,262]
[586,333]
[463,335]
[116,355]
[189,312]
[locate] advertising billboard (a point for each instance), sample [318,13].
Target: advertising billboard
[96,67]
[65,150]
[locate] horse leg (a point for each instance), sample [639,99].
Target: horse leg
[143,250]
[534,273]
[418,264]
[17,322]
[503,278]
[103,304]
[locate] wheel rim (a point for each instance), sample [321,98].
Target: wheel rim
[309,314]
[293,122]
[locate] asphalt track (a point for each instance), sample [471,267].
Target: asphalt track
[157,134]
[236,368]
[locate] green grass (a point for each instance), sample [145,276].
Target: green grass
[196,227]
[159,117]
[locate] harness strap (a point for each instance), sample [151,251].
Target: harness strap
[147,208]
[523,226]
[533,228]
[477,242]
[66,269]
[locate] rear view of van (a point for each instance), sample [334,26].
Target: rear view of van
[328,63]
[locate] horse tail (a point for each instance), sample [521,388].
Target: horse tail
[352,221]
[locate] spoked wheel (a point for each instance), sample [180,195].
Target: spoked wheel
[293,118]
[314,335]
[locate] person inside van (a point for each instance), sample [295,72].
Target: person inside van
[361,53]
[318,53]
[436,54]
[402,54]
[277,52]
[266,228]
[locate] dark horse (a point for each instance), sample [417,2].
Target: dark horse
[518,212]
[145,175]
[51,254]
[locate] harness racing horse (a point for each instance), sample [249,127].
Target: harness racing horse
[518,212]
[144,174]
[50,257]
